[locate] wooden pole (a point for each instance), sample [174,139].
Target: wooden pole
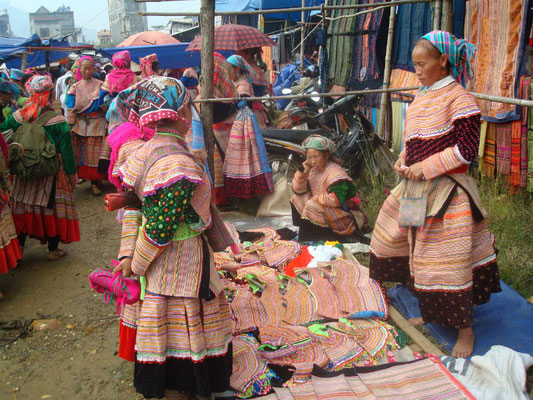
[207,30]
[386,78]
[47,61]
[24,62]
[447,15]
[436,14]
[302,39]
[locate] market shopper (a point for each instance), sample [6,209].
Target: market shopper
[149,65]
[121,76]
[183,330]
[325,203]
[42,197]
[446,254]
[89,126]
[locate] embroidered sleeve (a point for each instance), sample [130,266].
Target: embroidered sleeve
[131,222]
[342,191]
[465,150]
[166,209]
[299,183]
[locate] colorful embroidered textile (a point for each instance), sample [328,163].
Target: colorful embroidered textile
[359,296]
[497,29]
[433,112]
[251,376]
[318,205]
[489,153]
[455,231]
[325,295]
[516,138]
[422,379]
[503,148]
[246,170]
[156,99]
[460,54]
[222,79]
[244,67]
[298,303]
[10,251]
[146,65]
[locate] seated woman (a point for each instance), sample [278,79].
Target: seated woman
[324,204]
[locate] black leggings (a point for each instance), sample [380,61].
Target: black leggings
[53,243]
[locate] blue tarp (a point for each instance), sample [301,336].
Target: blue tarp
[246,5]
[169,55]
[505,320]
[11,47]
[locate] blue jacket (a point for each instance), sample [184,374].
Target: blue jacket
[285,79]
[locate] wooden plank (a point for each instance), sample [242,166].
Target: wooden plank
[419,339]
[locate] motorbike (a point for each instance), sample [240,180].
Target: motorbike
[357,144]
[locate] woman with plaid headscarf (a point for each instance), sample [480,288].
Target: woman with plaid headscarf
[44,208]
[431,233]
[183,330]
[325,203]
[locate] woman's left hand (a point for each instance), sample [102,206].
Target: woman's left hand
[415,172]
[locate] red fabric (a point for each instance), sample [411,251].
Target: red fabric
[90,173]
[302,260]
[47,226]
[220,196]
[126,342]
[9,256]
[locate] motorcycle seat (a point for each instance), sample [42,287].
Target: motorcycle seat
[292,135]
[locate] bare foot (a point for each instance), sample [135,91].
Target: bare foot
[465,343]
[95,191]
[56,254]
[416,321]
[80,181]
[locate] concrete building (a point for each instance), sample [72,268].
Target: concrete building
[104,37]
[179,25]
[57,23]
[124,20]
[5,26]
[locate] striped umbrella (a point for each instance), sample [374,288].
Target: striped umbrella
[235,37]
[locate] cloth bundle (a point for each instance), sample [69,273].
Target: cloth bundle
[115,286]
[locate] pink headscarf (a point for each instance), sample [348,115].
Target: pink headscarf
[121,59]
[146,65]
[122,77]
[78,72]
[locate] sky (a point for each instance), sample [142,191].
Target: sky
[90,15]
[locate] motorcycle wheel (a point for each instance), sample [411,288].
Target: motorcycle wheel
[385,163]
[282,167]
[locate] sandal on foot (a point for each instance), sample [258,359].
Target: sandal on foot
[56,254]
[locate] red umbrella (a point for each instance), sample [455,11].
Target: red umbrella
[235,37]
[147,38]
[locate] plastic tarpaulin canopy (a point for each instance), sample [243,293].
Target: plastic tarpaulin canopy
[169,55]
[505,320]
[11,47]
[247,5]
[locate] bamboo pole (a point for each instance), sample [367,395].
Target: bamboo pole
[281,10]
[302,39]
[24,62]
[207,30]
[481,96]
[436,14]
[447,15]
[386,78]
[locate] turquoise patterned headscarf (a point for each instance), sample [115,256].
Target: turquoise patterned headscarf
[460,54]
[239,62]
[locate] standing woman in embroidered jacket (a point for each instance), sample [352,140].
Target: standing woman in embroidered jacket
[44,208]
[183,331]
[447,256]
[89,125]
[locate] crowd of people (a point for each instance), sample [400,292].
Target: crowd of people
[142,132]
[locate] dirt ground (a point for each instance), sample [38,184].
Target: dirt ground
[79,359]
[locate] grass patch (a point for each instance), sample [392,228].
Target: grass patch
[510,219]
